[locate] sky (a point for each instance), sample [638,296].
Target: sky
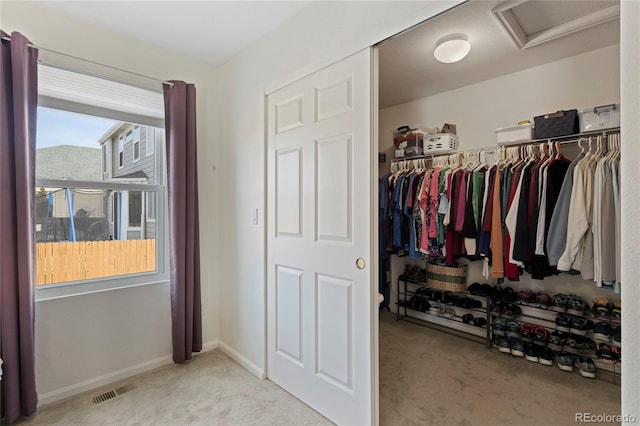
[56,127]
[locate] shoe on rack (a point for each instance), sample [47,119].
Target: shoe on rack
[543,300]
[602,332]
[508,295]
[517,348]
[449,312]
[485,290]
[474,288]
[585,366]
[545,356]
[479,322]
[531,352]
[564,361]
[579,344]
[563,322]
[581,325]
[435,310]
[558,302]
[540,336]
[617,354]
[605,353]
[600,309]
[557,339]
[467,319]
[511,310]
[502,344]
[525,296]
[513,329]
[526,332]
[576,305]
[615,313]
[616,337]
[499,327]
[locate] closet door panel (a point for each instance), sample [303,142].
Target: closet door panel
[289,192]
[334,189]
[289,315]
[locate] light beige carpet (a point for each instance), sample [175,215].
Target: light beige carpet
[430,378]
[426,378]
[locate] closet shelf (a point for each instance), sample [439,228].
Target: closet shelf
[562,139]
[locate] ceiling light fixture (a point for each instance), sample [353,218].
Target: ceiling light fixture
[452,48]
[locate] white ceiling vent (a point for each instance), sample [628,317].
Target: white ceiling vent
[530,23]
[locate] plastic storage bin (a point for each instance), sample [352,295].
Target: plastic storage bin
[598,118]
[440,143]
[516,134]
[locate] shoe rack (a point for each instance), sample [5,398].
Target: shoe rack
[460,313]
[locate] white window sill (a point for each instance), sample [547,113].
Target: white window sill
[79,288]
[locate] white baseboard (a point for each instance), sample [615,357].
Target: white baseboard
[243,361]
[209,346]
[96,382]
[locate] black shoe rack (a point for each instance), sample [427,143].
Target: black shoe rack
[459,313]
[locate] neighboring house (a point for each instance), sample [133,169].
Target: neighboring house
[132,153]
[54,204]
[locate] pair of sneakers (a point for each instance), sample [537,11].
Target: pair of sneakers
[606,311]
[539,354]
[534,334]
[567,362]
[608,354]
[573,323]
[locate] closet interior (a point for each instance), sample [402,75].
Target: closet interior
[499,181]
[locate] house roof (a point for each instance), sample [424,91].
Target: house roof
[68,161]
[116,126]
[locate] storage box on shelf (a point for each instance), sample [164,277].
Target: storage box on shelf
[409,140]
[599,118]
[441,143]
[514,135]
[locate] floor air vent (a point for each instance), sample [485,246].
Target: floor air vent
[125,388]
[99,399]
[106,396]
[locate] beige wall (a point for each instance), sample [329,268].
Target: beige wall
[88,340]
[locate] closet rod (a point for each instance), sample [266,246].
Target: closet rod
[168,83]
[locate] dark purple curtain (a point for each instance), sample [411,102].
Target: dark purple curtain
[184,242]
[18,105]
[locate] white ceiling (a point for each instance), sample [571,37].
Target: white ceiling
[211,31]
[408,70]
[214,31]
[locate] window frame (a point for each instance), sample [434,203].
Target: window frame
[161,274]
[150,142]
[121,152]
[100,96]
[136,141]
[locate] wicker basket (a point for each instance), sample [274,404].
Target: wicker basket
[449,278]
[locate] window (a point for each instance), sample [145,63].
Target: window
[136,144]
[151,141]
[151,207]
[96,222]
[121,152]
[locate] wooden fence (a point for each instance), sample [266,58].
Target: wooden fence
[63,262]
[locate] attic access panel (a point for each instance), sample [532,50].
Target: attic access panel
[530,23]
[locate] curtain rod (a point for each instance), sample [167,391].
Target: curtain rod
[168,83]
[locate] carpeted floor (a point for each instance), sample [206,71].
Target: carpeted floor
[426,378]
[431,378]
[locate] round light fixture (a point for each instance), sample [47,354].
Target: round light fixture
[452,48]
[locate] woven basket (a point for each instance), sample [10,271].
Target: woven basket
[449,278]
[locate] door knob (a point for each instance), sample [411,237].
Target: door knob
[360,263]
